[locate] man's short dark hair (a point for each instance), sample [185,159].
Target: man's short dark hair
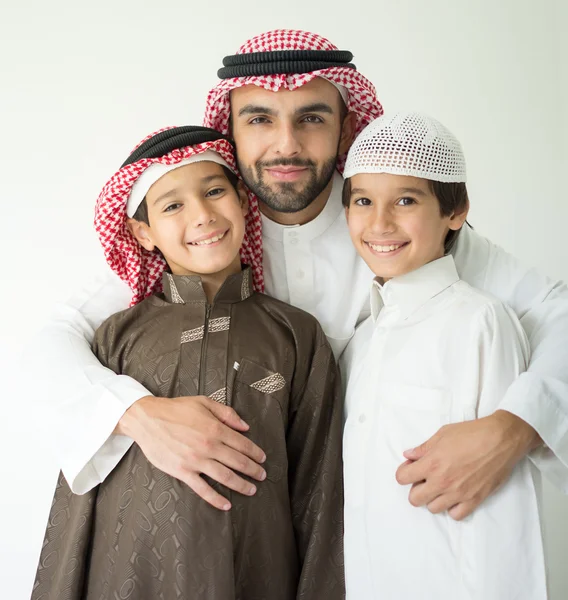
[452,198]
[141,213]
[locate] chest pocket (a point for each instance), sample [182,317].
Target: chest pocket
[408,415]
[261,397]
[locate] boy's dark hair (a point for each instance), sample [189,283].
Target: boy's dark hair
[452,198]
[141,213]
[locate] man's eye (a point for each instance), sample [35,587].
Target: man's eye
[171,207]
[258,121]
[362,202]
[214,192]
[406,201]
[313,119]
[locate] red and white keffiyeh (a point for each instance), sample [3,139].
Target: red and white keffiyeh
[362,96]
[140,269]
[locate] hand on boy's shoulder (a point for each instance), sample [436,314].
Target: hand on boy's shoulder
[192,436]
[464,463]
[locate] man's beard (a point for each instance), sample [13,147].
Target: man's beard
[286,198]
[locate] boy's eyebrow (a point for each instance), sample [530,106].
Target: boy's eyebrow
[204,180]
[255,109]
[320,107]
[409,190]
[210,178]
[358,191]
[165,196]
[412,190]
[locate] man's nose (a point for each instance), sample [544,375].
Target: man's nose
[287,142]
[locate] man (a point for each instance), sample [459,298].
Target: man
[293,104]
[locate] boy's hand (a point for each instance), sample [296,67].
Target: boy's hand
[463,463]
[194,435]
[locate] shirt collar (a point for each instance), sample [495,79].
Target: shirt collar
[183,289]
[412,290]
[315,227]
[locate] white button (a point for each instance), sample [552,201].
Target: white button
[294,241]
[362,418]
[292,234]
[300,274]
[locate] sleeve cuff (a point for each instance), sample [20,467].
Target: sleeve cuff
[529,399]
[88,457]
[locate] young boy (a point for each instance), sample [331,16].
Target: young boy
[434,351]
[143,534]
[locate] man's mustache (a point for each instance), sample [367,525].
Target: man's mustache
[286,162]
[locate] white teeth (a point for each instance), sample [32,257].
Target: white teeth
[209,240]
[384,248]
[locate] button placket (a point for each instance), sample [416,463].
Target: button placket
[299,270]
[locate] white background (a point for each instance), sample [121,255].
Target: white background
[81,83]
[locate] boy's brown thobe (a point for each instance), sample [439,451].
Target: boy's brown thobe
[144,535]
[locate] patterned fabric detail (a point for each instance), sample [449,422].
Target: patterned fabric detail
[270,384]
[176,298]
[192,335]
[220,396]
[245,287]
[140,269]
[215,326]
[220,324]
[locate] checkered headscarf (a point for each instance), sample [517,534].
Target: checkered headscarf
[140,269]
[362,96]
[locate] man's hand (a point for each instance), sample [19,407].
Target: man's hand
[463,463]
[193,435]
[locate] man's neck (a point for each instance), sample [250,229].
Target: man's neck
[303,216]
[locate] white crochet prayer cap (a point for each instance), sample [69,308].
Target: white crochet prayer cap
[158,170]
[407,143]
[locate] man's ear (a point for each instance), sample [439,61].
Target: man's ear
[243,197]
[458,219]
[347,132]
[142,233]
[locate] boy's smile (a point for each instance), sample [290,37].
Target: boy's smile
[396,223]
[209,240]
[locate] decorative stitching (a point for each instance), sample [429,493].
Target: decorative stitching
[269,384]
[176,298]
[192,335]
[220,324]
[220,396]
[245,286]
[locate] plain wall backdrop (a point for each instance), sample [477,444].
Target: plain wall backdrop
[82,83]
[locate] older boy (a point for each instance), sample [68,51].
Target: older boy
[142,533]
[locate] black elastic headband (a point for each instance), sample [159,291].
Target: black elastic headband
[283,62]
[172,139]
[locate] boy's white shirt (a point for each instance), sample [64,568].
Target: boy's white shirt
[435,351]
[80,401]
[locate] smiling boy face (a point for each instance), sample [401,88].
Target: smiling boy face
[396,224]
[196,219]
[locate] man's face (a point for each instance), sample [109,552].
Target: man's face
[396,224]
[287,141]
